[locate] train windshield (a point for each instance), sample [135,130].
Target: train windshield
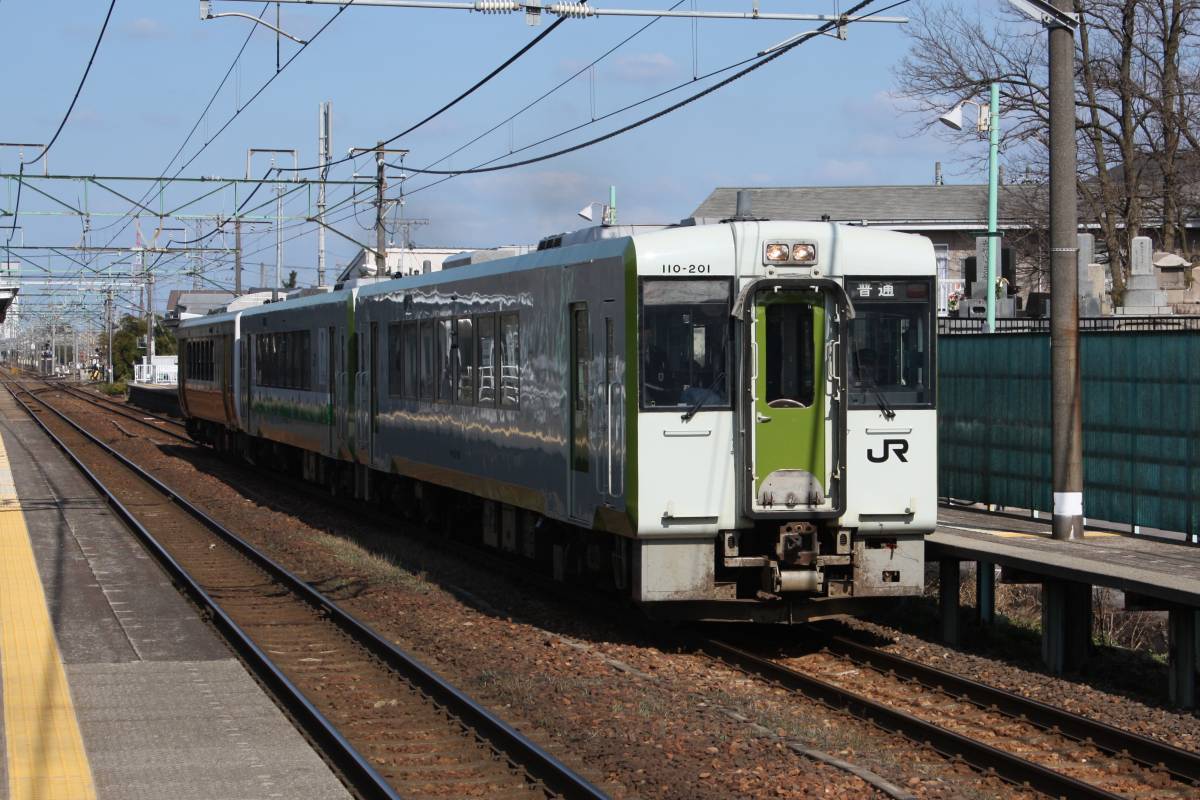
[891,349]
[685,343]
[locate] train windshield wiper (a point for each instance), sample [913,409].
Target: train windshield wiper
[881,400]
[703,398]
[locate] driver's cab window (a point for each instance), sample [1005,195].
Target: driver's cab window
[685,335]
[789,358]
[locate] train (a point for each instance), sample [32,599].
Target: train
[725,421]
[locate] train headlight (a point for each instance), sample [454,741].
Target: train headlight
[778,253]
[805,253]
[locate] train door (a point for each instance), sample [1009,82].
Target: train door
[787,401]
[227,379]
[247,368]
[364,391]
[584,457]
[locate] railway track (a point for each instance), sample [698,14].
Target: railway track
[391,726]
[164,425]
[1022,741]
[1057,752]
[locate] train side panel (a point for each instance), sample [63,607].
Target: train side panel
[507,385]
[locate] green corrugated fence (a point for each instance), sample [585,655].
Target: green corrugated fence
[1141,424]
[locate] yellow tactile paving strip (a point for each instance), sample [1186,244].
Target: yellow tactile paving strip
[1087,534]
[46,758]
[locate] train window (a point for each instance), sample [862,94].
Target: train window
[466,361]
[395,340]
[281,360]
[485,346]
[446,357]
[427,377]
[580,357]
[510,361]
[891,345]
[685,343]
[411,348]
[790,355]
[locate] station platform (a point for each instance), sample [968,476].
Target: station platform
[157,398]
[111,684]
[1148,567]
[1153,574]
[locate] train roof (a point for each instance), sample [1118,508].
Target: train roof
[891,251]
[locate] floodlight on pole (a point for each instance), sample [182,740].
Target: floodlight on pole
[989,122]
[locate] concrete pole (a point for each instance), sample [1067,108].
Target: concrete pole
[1066,406]
[323,147]
[993,202]
[380,232]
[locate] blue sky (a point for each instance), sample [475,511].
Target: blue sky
[820,115]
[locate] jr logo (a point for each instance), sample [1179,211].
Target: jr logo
[897,446]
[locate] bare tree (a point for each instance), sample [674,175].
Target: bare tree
[1137,82]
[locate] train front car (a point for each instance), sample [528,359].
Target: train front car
[785,426]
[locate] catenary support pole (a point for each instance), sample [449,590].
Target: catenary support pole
[1066,405]
[278,243]
[237,258]
[323,147]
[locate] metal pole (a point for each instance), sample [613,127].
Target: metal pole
[108,307]
[1066,406]
[278,242]
[993,202]
[237,258]
[323,147]
[149,323]
[380,233]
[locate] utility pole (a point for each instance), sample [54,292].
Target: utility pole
[380,202]
[1065,394]
[380,232]
[324,145]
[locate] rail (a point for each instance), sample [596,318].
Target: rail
[982,756]
[540,765]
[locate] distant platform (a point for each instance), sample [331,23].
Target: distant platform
[1166,571]
[159,398]
[113,687]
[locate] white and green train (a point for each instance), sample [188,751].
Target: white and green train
[732,421]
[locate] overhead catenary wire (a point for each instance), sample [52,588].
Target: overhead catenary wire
[452,103]
[759,62]
[164,181]
[62,124]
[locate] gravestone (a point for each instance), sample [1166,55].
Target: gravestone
[1142,295]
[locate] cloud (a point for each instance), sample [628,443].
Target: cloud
[147,28]
[644,67]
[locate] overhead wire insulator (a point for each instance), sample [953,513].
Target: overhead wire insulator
[497,6]
[574,10]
